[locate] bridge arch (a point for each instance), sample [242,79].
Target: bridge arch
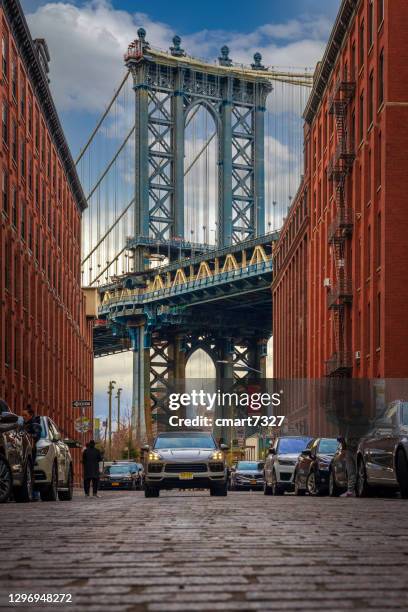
[201,172]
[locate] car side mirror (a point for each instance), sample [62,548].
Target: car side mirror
[8,418]
[72,443]
[224,447]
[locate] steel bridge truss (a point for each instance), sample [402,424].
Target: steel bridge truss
[167,88]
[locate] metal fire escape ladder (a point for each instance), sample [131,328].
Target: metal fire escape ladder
[341,228]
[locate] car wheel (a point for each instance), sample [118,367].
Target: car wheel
[402,473]
[334,490]
[219,491]
[67,495]
[267,489]
[51,493]
[362,486]
[151,491]
[24,493]
[5,481]
[298,490]
[311,484]
[276,489]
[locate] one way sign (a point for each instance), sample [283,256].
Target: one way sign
[82,403]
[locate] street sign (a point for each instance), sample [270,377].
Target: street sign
[82,424]
[82,403]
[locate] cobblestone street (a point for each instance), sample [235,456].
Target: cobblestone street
[188,551]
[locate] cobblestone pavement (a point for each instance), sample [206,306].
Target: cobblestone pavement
[189,551]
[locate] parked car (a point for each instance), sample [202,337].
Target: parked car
[53,469]
[16,469]
[185,460]
[382,456]
[313,467]
[247,475]
[121,475]
[280,464]
[338,478]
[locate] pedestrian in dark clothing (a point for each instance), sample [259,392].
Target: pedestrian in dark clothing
[32,425]
[90,460]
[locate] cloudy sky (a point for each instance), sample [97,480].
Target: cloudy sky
[87,41]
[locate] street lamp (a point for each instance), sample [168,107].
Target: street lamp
[118,392]
[111,386]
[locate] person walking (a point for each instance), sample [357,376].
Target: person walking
[32,425]
[90,460]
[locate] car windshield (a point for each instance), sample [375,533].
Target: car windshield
[118,469]
[43,429]
[249,465]
[191,441]
[287,446]
[328,446]
[404,413]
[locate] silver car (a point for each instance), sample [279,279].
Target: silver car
[280,464]
[382,455]
[185,460]
[53,469]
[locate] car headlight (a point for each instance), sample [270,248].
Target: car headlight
[42,451]
[217,455]
[153,456]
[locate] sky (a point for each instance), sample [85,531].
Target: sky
[87,40]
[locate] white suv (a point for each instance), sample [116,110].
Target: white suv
[280,464]
[53,469]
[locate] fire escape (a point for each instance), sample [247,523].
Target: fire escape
[340,230]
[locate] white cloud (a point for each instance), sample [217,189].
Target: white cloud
[87,44]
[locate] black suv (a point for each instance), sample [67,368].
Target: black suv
[16,469]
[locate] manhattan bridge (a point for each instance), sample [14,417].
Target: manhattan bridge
[189,174]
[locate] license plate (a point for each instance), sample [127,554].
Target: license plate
[186,476]
[115,484]
[253,482]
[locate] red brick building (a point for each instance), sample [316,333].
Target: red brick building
[356,141]
[45,338]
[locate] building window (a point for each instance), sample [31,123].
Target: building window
[14,79]
[381,78]
[37,131]
[371,100]
[361,44]
[370,24]
[361,117]
[30,173]
[368,327]
[23,99]
[378,241]
[37,244]
[14,197]
[30,118]
[23,159]
[4,122]
[23,220]
[5,192]
[368,251]
[378,321]
[353,61]
[37,189]
[4,56]
[30,231]
[14,141]
[379,160]
[7,271]
[380,8]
